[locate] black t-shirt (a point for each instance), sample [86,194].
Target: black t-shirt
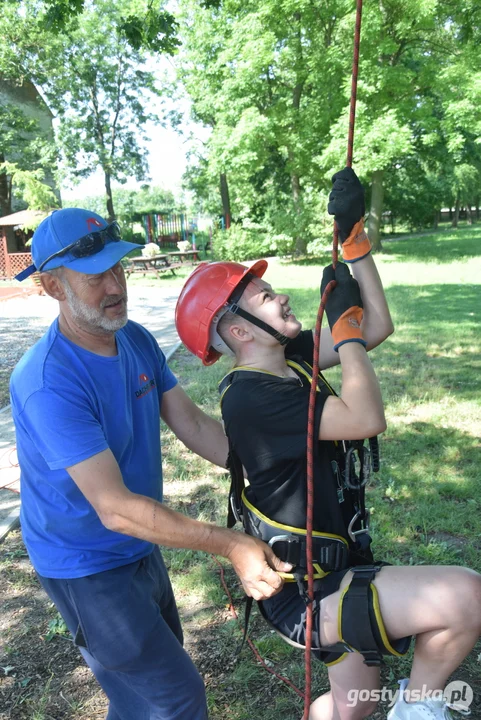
[265,417]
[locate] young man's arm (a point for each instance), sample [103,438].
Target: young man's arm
[120,510]
[346,203]
[358,412]
[376,324]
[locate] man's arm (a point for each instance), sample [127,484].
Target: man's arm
[120,510]
[199,432]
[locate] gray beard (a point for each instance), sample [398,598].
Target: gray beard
[90,318]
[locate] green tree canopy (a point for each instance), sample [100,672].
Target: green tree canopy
[272,81]
[90,60]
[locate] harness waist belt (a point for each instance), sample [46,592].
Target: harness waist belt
[330,552]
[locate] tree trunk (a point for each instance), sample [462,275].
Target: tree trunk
[110,200]
[300,241]
[297,90]
[224,193]
[454,224]
[5,199]
[437,213]
[374,224]
[469,214]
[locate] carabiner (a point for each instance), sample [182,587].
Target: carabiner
[364,518]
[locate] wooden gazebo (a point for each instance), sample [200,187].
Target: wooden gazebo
[12,261]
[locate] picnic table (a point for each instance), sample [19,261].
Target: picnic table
[155,264]
[186,256]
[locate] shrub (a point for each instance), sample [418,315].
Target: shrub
[239,243]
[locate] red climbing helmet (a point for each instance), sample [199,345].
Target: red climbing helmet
[203,301]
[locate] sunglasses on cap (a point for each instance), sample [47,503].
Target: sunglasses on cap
[89,244]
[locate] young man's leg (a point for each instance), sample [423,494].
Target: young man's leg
[125,622]
[351,681]
[441,606]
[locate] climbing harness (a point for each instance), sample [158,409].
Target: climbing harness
[359,617]
[214,289]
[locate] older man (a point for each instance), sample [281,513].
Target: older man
[87,401]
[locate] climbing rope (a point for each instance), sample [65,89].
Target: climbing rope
[311,418]
[311,440]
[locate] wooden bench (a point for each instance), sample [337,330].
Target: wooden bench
[186,257]
[155,264]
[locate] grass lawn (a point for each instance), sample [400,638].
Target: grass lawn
[425,501]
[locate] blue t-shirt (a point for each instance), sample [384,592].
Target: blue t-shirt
[69,404]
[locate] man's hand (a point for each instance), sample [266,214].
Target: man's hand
[257,567]
[346,203]
[343,306]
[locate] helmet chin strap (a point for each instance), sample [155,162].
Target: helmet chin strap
[282,339]
[234,308]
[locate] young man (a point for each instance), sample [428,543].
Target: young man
[87,401]
[370,608]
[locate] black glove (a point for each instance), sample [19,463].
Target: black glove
[346,201]
[343,306]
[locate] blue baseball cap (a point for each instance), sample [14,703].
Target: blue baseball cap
[65,227]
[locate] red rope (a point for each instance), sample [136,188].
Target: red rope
[315,372]
[311,418]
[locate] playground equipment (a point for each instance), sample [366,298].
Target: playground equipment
[166,229]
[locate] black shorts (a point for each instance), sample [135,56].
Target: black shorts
[286,612]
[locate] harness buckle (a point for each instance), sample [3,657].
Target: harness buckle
[372,658]
[290,551]
[237,513]
[364,518]
[333,557]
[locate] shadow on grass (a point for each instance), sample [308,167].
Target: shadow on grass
[444,246]
[435,347]
[426,497]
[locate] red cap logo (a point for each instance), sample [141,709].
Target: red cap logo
[93,222]
[143,378]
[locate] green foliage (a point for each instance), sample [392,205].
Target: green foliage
[154,30]
[29,154]
[238,244]
[30,187]
[90,60]
[273,84]
[56,626]
[145,27]
[129,204]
